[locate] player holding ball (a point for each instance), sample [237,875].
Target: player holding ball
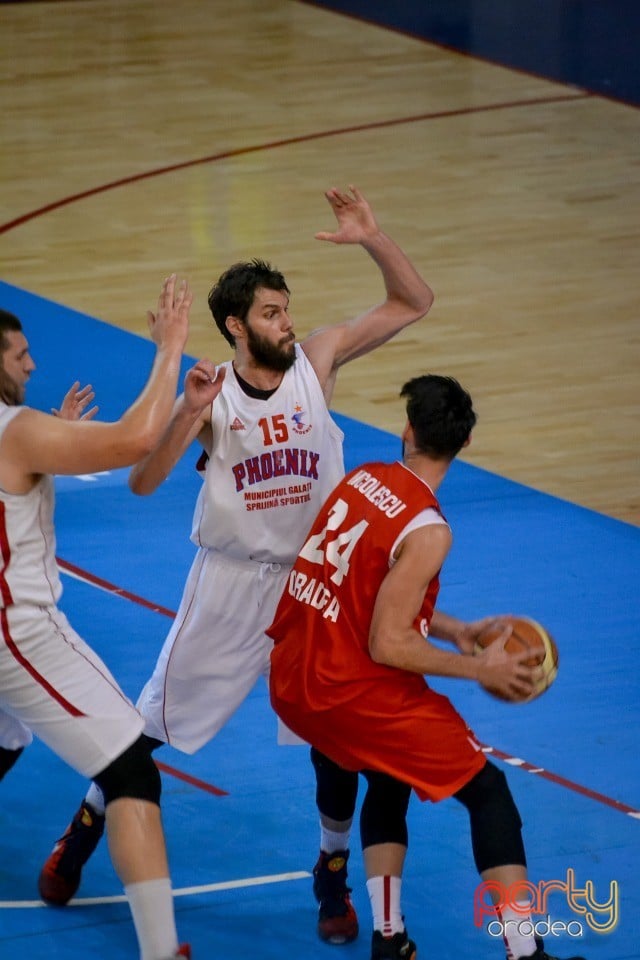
[351,650]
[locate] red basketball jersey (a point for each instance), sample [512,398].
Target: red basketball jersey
[323,617]
[324,683]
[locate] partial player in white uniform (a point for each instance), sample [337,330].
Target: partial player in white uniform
[51,681]
[14,736]
[273,456]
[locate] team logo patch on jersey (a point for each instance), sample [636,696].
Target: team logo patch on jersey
[237,424]
[298,422]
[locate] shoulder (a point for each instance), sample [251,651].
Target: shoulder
[320,348]
[8,415]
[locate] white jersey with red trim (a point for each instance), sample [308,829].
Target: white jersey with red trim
[273,463]
[28,568]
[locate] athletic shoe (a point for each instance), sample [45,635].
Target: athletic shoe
[184,951]
[541,953]
[337,920]
[60,876]
[397,947]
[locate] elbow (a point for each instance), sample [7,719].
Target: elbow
[137,484]
[424,303]
[417,307]
[380,649]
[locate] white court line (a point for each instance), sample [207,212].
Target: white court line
[182,892]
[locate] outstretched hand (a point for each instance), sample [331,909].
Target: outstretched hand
[356,221]
[169,326]
[75,402]
[202,385]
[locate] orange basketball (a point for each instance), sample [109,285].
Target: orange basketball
[527,635]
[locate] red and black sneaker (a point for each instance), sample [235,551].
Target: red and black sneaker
[60,876]
[541,953]
[397,947]
[337,920]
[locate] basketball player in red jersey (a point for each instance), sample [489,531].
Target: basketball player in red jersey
[352,647]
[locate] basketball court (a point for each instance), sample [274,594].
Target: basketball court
[240,818]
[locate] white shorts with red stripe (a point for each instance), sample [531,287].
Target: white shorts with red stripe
[215,652]
[52,683]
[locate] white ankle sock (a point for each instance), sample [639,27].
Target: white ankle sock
[151,904]
[95,799]
[332,840]
[384,894]
[518,943]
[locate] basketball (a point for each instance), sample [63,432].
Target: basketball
[527,635]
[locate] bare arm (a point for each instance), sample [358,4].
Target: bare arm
[191,418]
[408,298]
[394,641]
[35,443]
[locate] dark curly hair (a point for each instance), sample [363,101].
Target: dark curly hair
[233,294]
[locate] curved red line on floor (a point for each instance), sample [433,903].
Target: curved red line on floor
[274,144]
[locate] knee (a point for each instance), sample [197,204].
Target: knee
[336,788]
[133,774]
[383,818]
[489,790]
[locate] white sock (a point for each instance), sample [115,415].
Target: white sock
[518,932]
[384,894]
[95,799]
[332,840]
[151,904]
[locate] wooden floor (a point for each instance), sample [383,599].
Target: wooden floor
[147,136]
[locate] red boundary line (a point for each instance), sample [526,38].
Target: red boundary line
[111,588]
[563,782]
[273,144]
[500,754]
[194,781]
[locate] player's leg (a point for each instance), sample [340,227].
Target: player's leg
[61,873]
[384,838]
[336,792]
[131,787]
[498,850]
[214,654]
[61,690]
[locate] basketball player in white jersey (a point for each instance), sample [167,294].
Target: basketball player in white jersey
[51,682]
[273,454]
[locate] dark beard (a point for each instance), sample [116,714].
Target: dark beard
[277,357]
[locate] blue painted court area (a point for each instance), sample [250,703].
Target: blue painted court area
[241,861]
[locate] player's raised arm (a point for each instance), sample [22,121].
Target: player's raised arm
[408,297]
[36,443]
[191,418]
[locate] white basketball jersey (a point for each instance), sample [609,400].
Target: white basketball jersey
[272,465]
[28,569]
